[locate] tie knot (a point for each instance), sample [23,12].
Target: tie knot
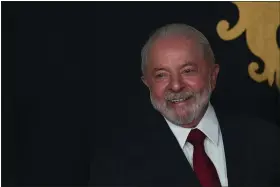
[196,137]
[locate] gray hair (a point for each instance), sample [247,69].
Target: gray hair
[177,29]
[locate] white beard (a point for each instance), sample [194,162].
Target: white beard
[190,112]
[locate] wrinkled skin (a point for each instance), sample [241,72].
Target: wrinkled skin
[180,80]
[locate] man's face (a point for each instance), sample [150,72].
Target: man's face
[180,80]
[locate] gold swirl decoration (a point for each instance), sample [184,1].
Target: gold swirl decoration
[259,21]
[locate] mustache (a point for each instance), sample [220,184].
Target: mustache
[176,96]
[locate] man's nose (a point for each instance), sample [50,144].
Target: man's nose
[176,84]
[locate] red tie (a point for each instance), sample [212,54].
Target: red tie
[202,165]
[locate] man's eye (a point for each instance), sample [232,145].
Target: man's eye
[160,75]
[188,70]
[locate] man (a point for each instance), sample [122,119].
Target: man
[184,141]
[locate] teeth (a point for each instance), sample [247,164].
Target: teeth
[177,100]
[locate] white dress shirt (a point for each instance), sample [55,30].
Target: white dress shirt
[213,143]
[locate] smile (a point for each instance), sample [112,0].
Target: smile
[180,100]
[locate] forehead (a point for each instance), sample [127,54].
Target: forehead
[175,48]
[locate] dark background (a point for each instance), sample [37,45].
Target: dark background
[69,69]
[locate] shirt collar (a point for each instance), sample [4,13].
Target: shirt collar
[209,125]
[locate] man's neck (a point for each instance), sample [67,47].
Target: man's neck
[196,121]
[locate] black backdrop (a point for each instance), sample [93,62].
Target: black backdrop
[68,69]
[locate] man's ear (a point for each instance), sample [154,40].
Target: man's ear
[144,80]
[214,75]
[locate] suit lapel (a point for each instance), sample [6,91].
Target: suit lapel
[235,148]
[171,155]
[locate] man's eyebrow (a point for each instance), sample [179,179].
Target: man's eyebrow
[158,69]
[189,64]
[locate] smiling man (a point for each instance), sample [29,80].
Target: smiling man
[187,142]
[179,70]
[179,75]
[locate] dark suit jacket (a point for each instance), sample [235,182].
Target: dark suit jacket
[146,153]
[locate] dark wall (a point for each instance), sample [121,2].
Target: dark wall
[69,68]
